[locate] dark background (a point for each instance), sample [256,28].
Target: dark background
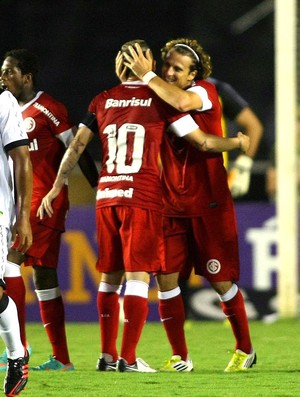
[77,41]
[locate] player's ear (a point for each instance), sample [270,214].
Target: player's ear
[154,65]
[192,75]
[28,78]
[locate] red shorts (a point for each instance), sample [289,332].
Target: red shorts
[207,243]
[45,247]
[130,239]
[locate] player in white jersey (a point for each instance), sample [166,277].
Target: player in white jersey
[14,145]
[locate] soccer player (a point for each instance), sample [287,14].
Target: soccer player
[14,145]
[130,120]
[50,131]
[237,109]
[199,216]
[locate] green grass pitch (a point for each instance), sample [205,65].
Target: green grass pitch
[277,372]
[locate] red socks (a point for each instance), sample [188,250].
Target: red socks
[53,317]
[173,316]
[108,312]
[235,311]
[135,312]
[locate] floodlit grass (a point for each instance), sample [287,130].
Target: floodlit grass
[277,372]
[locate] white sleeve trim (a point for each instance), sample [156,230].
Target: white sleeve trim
[207,104]
[66,137]
[183,126]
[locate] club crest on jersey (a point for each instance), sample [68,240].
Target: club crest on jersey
[30,124]
[213,266]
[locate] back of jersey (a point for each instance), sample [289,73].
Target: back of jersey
[131,121]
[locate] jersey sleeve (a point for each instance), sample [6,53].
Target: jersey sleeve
[63,128]
[90,122]
[66,137]
[11,122]
[61,115]
[183,126]
[203,94]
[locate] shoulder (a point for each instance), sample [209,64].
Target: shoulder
[7,98]
[201,85]
[99,98]
[207,92]
[8,104]
[207,85]
[51,103]
[44,97]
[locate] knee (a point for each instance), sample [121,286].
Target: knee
[222,287]
[115,278]
[44,278]
[167,282]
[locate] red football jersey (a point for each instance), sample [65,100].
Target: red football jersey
[194,181]
[131,122]
[45,120]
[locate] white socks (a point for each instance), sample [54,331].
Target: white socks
[10,331]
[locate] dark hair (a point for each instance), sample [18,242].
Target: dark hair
[202,63]
[27,62]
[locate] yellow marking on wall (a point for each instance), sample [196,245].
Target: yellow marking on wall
[82,259]
[82,262]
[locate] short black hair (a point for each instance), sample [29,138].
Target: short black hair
[27,62]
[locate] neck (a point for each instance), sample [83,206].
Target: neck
[133,78]
[26,97]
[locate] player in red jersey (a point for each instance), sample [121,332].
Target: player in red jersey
[131,120]
[199,222]
[50,132]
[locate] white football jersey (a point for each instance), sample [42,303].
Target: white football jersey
[12,134]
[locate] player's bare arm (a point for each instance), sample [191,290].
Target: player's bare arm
[87,166]
[212,143]
[79,143]
[180,99]
[239,175]
[252,127]
[23,179]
